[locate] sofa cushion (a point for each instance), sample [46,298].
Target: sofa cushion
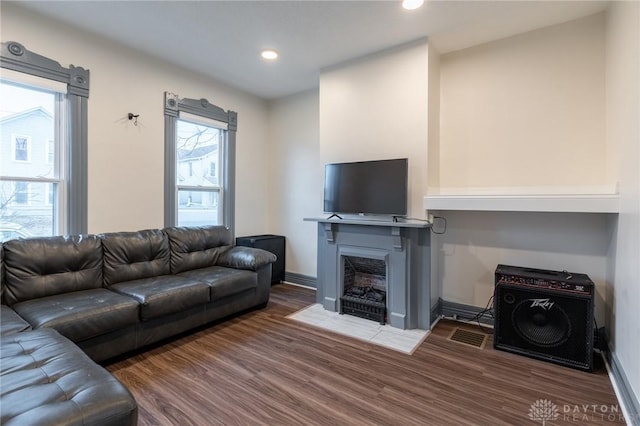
[135,255]
[197,247]
[41,267]
[10,322]
[249,258]
[80,315]
[224,281]
[164,295]
[46,379]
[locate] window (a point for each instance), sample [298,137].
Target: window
[24,189]
[196,144]
[199,163]
[43,130]
[21,148]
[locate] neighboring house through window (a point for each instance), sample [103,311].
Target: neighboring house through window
[199,163]
[20,193]
[51,151]
[42,192]
[21,148]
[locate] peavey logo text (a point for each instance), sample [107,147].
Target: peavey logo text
[545,304]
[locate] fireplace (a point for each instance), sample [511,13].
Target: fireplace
[402,247]
[364,283]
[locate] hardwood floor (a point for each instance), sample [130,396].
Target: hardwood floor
[264,369]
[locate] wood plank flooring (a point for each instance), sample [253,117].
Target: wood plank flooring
[264,369]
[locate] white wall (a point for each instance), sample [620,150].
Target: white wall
[296,177]
[126,163]
[528,110]
[623,135]
[376,108]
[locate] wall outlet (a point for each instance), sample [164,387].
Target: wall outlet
[430,218]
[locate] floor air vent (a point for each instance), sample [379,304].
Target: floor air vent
[466,337]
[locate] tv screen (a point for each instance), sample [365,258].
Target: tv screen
[367,187]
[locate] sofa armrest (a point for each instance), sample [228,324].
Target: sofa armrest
[250,258]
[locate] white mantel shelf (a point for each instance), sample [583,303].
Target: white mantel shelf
[579,203]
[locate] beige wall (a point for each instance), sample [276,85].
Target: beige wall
[466,256]
[371,108]
[296,177]
[520,113]
[126,163]
[525,111]
[376,108]
[433,169]
[623,137]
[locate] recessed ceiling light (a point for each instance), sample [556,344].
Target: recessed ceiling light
[269,54]
[412,4]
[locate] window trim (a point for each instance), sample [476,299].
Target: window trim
[16,57]
[173,106]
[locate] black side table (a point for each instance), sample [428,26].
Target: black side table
[273,243]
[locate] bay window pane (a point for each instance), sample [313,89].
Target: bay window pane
[198,208]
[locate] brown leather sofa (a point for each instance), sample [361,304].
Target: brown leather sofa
[111,294]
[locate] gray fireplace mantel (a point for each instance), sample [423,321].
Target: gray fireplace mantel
[404,245]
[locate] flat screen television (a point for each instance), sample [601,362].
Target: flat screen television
[367,187]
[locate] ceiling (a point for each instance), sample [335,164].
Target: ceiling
[223,39]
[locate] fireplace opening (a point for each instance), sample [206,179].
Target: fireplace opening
[365,288]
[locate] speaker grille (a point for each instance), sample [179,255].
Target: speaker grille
[539,325]
[542,323]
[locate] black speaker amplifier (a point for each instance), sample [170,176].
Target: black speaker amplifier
[544,314]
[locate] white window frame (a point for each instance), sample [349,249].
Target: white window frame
[23,66]
[201,112]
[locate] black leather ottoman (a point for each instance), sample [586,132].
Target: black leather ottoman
[47,380]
